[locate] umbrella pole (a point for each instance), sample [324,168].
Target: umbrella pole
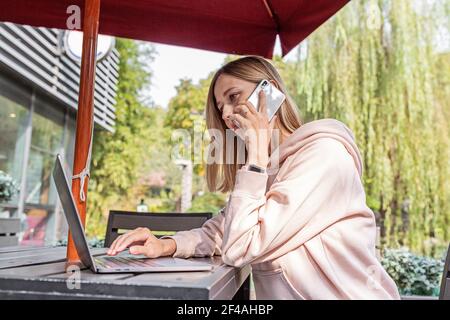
[85,113]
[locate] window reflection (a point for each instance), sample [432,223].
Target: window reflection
[13,126]
[45,143]
[36,136]
[40,199]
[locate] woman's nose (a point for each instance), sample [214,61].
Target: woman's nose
[226,111]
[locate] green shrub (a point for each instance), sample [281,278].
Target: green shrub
[413,274]
[8,187]
[92,243]
[208,202]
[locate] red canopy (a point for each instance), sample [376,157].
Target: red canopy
[232,26]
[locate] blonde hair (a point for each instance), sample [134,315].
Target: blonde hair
[221,176]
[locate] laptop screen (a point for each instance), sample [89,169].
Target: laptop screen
[71,213]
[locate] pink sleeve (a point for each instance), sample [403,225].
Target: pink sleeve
[313,193]
[201,242]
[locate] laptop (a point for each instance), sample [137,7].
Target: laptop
[112,264]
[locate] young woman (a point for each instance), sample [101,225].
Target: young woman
[296,210]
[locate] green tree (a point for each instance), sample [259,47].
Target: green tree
[376,66]
[187,105]
[117,156]
[158,160]
[208,202]
[186,112]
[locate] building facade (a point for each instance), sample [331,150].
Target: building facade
[39,86]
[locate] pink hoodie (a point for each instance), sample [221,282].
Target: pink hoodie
[305,228]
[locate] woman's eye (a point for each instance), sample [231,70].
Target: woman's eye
[233,96]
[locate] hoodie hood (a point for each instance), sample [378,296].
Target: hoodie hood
[307,133]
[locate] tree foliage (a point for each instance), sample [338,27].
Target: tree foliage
[117,157]
[376,66]
[186,112]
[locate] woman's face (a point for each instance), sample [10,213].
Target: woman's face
[229,91]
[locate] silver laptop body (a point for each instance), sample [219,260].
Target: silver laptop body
[112,264]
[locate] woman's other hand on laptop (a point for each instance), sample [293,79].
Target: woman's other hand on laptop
[142,241]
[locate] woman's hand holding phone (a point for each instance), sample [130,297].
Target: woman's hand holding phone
[255,129]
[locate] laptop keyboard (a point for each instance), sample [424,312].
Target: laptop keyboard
[124,262]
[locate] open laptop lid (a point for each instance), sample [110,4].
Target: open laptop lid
[71,213]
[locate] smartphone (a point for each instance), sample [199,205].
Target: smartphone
[274,97]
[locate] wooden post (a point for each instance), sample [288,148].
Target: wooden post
[85,112]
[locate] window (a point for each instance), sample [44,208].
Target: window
[32,132]
[46,142]
[14,117]
[40,195]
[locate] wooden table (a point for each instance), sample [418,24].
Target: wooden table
[39,273]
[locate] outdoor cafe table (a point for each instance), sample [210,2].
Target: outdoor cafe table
[39,273]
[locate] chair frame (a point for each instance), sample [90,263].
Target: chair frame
[155,221]
[444,293]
